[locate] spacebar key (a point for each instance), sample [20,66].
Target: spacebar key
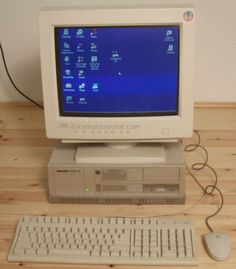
[68,252]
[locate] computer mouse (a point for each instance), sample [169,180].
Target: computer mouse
[217,245]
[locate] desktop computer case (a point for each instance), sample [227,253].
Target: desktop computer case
[116,183]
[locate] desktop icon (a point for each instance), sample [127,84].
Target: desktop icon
[79,46]
[93,46]
[170,49]
[68,98]
[66,31]
[81,73]
[79,32]
[80,59]
[115,56]
[169,32]
[68,85]
[169,37]
[95,86]
[93,32]
[67,58]
[94,59]
[82,100]
[81,86]
[68,72]
[66,45]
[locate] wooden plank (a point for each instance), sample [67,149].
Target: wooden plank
[213,138]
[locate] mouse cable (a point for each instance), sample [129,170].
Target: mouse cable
[12,82]
[209,189]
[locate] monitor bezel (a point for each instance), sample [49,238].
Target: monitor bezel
[151,128]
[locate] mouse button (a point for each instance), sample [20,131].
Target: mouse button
[225,244]
[207,240]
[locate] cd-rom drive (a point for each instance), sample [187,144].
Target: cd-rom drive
[72,182]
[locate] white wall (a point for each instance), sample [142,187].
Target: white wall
[215,46]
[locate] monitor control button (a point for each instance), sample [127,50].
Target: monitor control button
[165,131]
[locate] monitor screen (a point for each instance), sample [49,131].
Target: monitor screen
[118,70]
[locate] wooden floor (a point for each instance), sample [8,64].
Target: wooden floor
[25,151]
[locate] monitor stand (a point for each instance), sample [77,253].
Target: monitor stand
[120,153]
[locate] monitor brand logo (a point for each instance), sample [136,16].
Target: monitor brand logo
[188,15]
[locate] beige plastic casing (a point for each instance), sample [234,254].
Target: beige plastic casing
[117,129]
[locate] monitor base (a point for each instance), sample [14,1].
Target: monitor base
[120,153]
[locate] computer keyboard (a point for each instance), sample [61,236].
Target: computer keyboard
[104,240]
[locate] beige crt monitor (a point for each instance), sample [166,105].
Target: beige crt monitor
[128,123]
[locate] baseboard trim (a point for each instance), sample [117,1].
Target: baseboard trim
[215,104]
[16,104]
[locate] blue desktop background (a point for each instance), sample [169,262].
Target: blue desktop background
[118,70]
